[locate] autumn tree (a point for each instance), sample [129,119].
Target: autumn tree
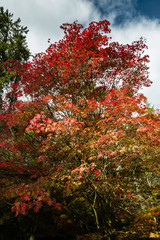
[83,154]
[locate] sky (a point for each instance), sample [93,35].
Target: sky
[130,20]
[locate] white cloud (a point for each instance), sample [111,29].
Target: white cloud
[150,30]
[43,18]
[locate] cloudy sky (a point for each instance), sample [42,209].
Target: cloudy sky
[130,19]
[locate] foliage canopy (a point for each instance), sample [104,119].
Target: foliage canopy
[85,148]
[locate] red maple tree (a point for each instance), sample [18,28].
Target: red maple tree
[85,146]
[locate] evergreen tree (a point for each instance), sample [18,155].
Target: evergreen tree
[13,46]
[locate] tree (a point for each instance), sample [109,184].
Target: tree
[13,48]
[83,154]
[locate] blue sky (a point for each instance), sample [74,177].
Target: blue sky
[130,19]
[149,8]
[127,10]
